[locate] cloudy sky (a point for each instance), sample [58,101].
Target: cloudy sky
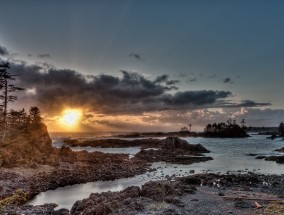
[147,65]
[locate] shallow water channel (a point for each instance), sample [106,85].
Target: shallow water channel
[228,155]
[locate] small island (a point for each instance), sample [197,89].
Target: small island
[226,130]
[230,129]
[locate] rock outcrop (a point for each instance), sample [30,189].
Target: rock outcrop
[175,150]
[132,200]
[175,143]
[27,148]
[280,150]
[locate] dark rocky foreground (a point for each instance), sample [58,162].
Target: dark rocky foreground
[66,167]
[62,167]
[193,195]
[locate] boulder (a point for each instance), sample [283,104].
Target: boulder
[174,143]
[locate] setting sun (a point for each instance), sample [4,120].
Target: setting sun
[70,117]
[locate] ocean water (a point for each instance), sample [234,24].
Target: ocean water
[228,154]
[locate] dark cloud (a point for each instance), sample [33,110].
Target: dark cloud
[195,98]
[172,82]
[228,81]
[165,79]
[3,51]
[213,76]
[249,103]
[131,93]
[136,56]
[161,79]
[44,55]
[193,80]
[243,103]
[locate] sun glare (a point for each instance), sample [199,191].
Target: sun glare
[70,117]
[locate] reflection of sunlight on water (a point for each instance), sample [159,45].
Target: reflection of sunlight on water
[129,150]
[65,197]
[228,154]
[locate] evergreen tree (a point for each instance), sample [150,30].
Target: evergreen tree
[229,129]
[7,89]
[34,114]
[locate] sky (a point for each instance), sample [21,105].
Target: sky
[147,65]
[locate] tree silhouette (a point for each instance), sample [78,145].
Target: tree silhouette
[189,126]
[34,114]
[229,129]
[243,123]
[7,89]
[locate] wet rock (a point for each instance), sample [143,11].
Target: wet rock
[170,211]
[174,200]
[243,204]
[278,159]
[166,197]
[252,154]
[272,137]
[191,180]
[173,143]
[108,202]
[158,190]
[175,150]
[221,194]
[260,157]
[280,150]
[194,200]
[62,211]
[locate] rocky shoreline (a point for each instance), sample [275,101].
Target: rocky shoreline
[198,194]
[277,158]
[46,177]
[66,167]
[175,150]
[239,194]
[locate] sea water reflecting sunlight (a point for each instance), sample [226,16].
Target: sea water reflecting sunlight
[228,154]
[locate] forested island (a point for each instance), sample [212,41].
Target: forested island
[229,129]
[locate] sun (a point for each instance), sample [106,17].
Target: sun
[70,117]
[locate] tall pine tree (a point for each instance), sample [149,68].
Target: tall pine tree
[6,89]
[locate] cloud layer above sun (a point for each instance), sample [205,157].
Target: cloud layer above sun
[128,101]
[128,92]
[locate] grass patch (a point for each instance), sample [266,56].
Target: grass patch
[275,208]
[158,206]
[19,197]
